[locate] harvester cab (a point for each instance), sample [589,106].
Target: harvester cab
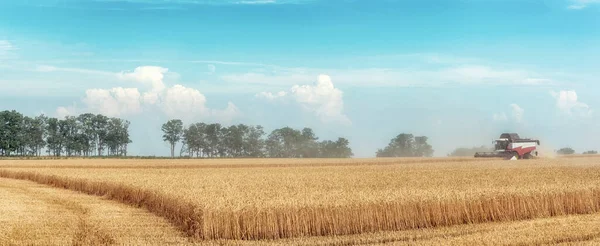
[511,146]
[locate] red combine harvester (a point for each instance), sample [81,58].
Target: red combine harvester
[511,146]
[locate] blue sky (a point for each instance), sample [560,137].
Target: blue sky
[459,72]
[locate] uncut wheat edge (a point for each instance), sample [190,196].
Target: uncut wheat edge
[278,223]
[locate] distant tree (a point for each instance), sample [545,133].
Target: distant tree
[469,151]
[565,151]
[173,131]
[406,145]
[337,149]
[253,143]
[422,148]
[100,125]
[590,152]
[283,143]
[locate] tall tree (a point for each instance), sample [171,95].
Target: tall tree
[253,142]
[308,146]
[100,125]
[173,131]
[54,139]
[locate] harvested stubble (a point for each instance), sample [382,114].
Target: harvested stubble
[34,214]
[258,202]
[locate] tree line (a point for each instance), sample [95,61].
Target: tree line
[84,135]
[406,145]
[246,141]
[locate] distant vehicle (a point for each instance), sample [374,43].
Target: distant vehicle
[511,146]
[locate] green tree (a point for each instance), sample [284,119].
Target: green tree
[100,126]
[590,152]
[422,148]
[406,145]
[253,142]
[565,151]
[11,132]
[54,139]
[173,131]
[308,146]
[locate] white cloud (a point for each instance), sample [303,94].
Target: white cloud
[323,99]
[568,102]
[581,4]
[228,114]
[271,96]
[115,102]
[517,112]
[189,104]
[151,75]
[177,101]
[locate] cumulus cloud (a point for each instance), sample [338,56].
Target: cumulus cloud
[151,75]
[114,102]
[177,101]
[568,103]
[322,98]
[581,4]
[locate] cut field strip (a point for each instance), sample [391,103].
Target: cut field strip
[34,214]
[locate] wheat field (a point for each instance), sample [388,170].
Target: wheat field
[343,201]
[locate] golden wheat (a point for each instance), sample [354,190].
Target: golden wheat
[264,199]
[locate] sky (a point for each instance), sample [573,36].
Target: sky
[460,72]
